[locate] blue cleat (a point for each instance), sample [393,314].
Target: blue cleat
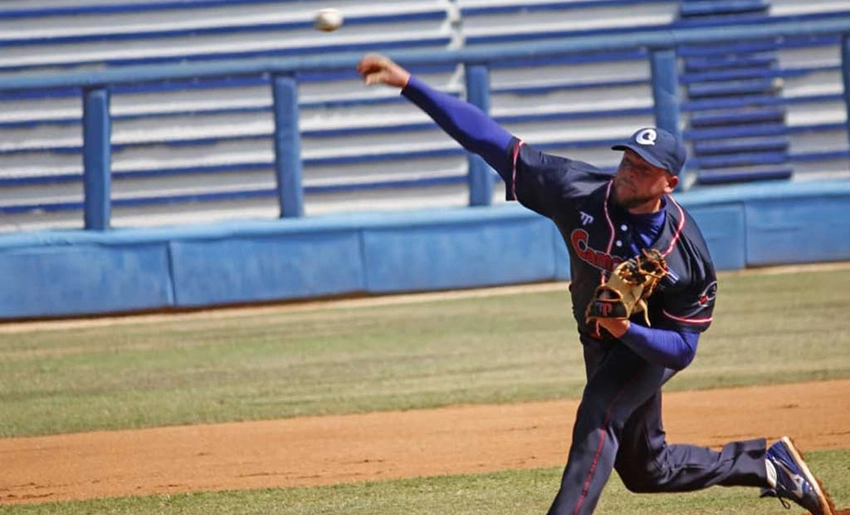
[794,480]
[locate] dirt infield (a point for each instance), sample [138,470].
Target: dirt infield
[336,449]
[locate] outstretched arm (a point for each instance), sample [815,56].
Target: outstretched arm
[465,123]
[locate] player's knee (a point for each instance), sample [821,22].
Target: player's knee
[639,479]
[638,482]
[635,485]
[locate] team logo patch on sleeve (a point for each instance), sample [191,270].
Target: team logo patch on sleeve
[708,294]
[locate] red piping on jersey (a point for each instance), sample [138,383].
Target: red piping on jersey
[592,469]
[681,226]
[688,320]
[610,226]
[673,242]
[518,146]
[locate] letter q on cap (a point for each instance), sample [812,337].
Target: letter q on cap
[646,137]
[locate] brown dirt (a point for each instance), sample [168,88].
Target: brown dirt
[335,449]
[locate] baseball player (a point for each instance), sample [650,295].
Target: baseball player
[605,219]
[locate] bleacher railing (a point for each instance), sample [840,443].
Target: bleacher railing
[287,142]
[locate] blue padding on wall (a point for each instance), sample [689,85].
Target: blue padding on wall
[62,273]
[74,280]
[800,230]
[467,254]
[262,268]
[724,233]
[562,257]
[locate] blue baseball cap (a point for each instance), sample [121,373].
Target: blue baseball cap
[657,147]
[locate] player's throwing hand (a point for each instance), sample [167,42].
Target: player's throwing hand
[378,69]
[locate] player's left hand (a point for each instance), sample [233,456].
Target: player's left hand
[616,326]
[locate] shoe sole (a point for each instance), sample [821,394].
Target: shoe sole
[823,497]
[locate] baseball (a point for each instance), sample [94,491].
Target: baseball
[328,20]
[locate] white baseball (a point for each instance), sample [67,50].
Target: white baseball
[328,20]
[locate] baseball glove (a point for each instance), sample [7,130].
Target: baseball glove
[630,285]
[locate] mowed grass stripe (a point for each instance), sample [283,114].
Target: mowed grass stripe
[503,493]
[499,349]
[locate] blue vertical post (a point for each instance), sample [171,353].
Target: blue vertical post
[97,159]
[480,177]
[665,90]
[665,93]
[287,146]
[845,72]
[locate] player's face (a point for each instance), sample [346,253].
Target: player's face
[638,185]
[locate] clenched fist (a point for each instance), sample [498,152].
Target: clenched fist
[378,69]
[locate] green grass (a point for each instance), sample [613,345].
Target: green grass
[502,493]
[503,349]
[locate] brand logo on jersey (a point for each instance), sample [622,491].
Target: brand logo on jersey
[708,294]
[646,137]
[591,256]
[586,219]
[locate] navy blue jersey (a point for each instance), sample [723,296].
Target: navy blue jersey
[600,235]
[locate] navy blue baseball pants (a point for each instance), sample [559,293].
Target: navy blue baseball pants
[618,427]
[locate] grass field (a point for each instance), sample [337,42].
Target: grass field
[500,349]
[504,493]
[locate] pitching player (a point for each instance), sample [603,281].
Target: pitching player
[605,219]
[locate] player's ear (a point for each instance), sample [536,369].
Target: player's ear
[672,182]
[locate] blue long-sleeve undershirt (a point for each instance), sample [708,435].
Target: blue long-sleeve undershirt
[465,123]
[669,349]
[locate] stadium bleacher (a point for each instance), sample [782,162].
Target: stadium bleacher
[198,150]
[733,88]
[166,136]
